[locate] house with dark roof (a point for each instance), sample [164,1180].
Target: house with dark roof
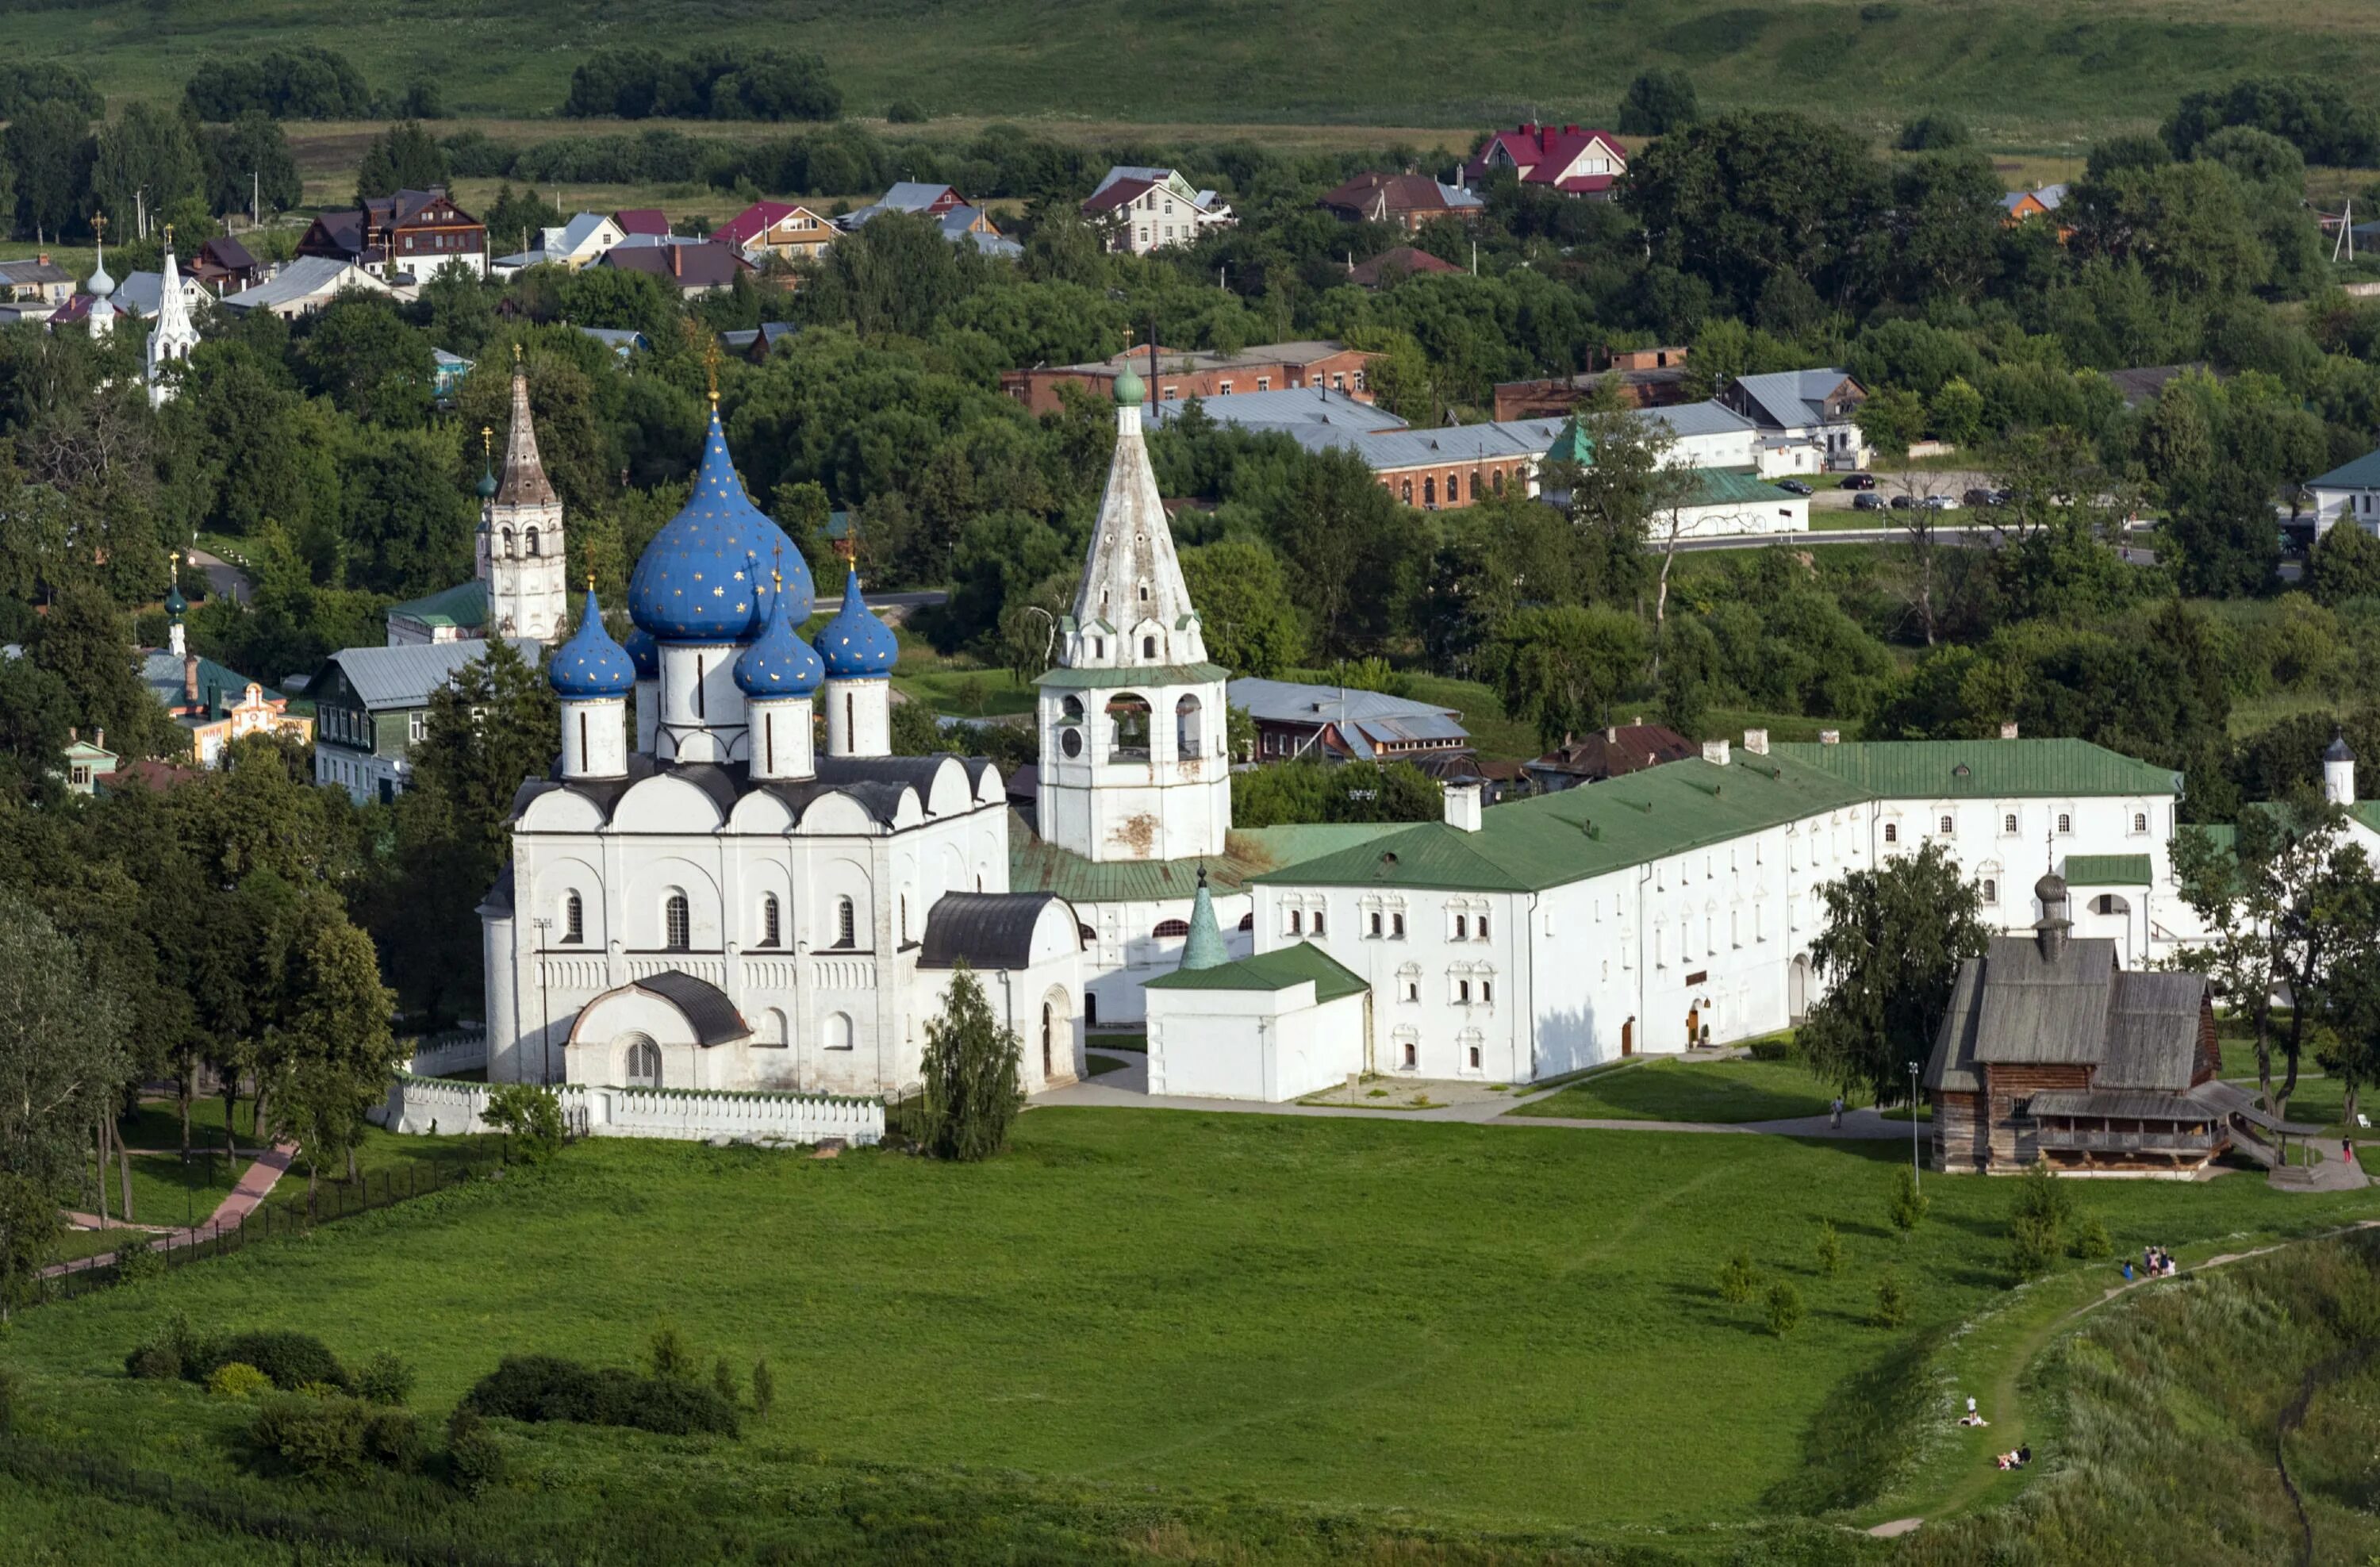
[1573,161]
[1177,375]
[649,222]
[1144,208]
[692,270]
[411,234]
[1337,723]
[2050,1051]
[1407,201]
[224,266]
[371,707]
[1609,753]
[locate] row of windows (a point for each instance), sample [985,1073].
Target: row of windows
[1948,826]
[677,923]
[529,548]
[1453,487]
[1299,919]
[1404,1046]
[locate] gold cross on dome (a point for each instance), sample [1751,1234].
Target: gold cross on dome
[99,225]
[710,369]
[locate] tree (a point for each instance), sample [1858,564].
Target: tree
[1349,547]
[1657,102]
[1618,470]
[334,1050]
[146,160]
[971,1093]
[404,157]
[49,148]
[1562,668]
[1890,953]
[529,1112]
[362,356]
[249,162]
[87,645]
[1251,623]
[1907,1205]
[1932,133]
[1785,1308]
[2344,563]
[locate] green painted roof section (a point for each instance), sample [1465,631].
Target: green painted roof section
[1270,971]
[1571,445]
[464,605]
[1150,675]
[1735,486]
[1037,867]
[1526,845]
[2366,812]
[2363,473]
[2107,871]
[1204,947]
[1938,769]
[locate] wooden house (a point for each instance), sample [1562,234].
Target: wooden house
[2051,1052]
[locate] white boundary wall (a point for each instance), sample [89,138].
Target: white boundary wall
[442,1055]
[423,1104]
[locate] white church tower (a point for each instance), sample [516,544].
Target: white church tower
[521,555]
[101,322]
[1134,764]
[170,340]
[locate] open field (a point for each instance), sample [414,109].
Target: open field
[2030,73]
[1288,1313]
[1728,1091]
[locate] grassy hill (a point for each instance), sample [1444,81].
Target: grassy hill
[2025,71]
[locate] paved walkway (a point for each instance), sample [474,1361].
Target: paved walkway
[255,1183]
[1128,1089]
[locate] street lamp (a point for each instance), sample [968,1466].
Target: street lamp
[545,1019]
[1916,1167]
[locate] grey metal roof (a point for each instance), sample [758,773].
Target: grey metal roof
[307,277]
[2131,1105]
[2042,1010]
[1309,404]
[1793,398]
[984,929]
[703,1005]
[1697,419]
[1360,715]
[1444,445]
[404,677]
[2152,1032]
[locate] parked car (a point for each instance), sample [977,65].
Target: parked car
[1859,481]
[1869,503]
[2001,497]
[1904,504]
[1980,498]
[1940,503]
[1792,487]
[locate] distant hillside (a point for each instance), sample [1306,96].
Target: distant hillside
[2022,71]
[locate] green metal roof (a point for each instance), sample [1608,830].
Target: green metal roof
[2107,871]
[1526,845]
[1268,971]
[465,605]
[1735,486]
[2366,812]
[1934,769]
[2363,473]
[1037,867]
[1153,674]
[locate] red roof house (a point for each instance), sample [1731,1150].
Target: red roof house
[1403,262]
[650,222]
[1576,162]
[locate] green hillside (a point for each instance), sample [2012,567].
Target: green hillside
[2020,69]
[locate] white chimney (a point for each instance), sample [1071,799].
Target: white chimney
[1714,752]
[1462,806]
[2008,730]
[1755,742]
[1831,736]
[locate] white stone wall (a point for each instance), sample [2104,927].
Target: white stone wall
[1269,1045]
[1124,952]
[422,1105]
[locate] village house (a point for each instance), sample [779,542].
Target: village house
[1576,162]
[224,266]
[38,281]
[785,229]
[2350,493]
[1645,377]
[574,244]
[1805,419]
[1148,209]
[2019,205]
[88,763]
[1393,266]
[412,233]
[1443,466]
[371,707]
[214,706]
[642,222]
[1607,753]
[1180,374]
[692,270]
[1336,724]
[960,221]
[303,287]
[1407,201]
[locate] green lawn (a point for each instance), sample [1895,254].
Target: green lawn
[1696,1090]
[1097,1066]
[156,1124]
[167,1191]
[1505,1327]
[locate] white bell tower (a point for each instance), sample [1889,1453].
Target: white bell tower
[520,548]
[1134,764]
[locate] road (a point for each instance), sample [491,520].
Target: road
[1917,482]
[225,581]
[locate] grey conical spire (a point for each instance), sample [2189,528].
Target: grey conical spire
[1205,947]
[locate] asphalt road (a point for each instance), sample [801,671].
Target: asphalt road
[1917,482]
[225,581]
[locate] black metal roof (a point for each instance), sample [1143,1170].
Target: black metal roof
[984,929]
[703,1005]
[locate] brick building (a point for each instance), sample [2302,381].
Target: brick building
[1180,374]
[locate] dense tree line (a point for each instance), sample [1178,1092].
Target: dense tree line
[718,84]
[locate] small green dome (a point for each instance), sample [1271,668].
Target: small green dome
[487,485]
[1128,388]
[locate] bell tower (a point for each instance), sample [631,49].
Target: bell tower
[520,547]
[1134,765]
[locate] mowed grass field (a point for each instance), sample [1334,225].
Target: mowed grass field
[2023,69]
[1724,1091]
[1478,1327]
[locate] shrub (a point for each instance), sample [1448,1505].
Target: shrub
[1830,1249]
[668,1355]
[1737,1279]
[173,1350]
[238,1378]
[391,1437]
[291,1359]
[539,1387]
[722,1380]
[2090,1241]
[764,1385]
[905,111]
[319,1437]
[1784,1307]
[1778,1048]
[386,1379]
[12,1387]
[137,1260]
[1892,1302]
[1908,1206]
[2032,1245]
[531,1117]
[474,1461]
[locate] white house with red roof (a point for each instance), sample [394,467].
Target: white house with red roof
[1573,161]
[1149,209]
[778,228]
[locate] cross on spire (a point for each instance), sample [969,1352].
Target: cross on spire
[710,369]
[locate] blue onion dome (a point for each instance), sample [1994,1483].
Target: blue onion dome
[854,644]
[778,663]
[698,581]
[644,652]
[590,665]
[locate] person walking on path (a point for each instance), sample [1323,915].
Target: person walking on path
[1838,1109]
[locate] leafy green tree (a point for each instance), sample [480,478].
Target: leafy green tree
[971,1093]
[146,154]
[1785,1307]
[361,354]
[2186,225]
[528,1111]
[1888,952]
[1309,790]
[2344,563]
[1956,412]
[1932,133]
[1892,1302]
[1349,547]
[1737,1279]
[1831,1248]
[49,150]
[1562,668]
[89,648]
[1657,102]
[404,157]
[249,163]
[1621,482]
[1251,623]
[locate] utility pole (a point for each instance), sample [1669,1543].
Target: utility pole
[1916,1166]
[256,197]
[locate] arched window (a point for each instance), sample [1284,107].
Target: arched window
[775,1031]
[1429,491]
[2008,823]
[1248,920]
[1171,929]
[1298,922]
[1376,922]
[1891,832]
[1317,922]
[1189,728]
[1148,647]
[1144,592]
[769,928]
[1048,1031]
[1949,829]
[2140,821]
[846,923]
[2065,822]
[573,918]
[508,544]
[1099,647]
[531,550]
[677,926]
[643,1068]
[1496,482]
[1089,937]
[1397,925]
[1991,890]
[1404,492]
[1483,927]
[1072,709]
[1462,928]
[1128,727]
[838,1031]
